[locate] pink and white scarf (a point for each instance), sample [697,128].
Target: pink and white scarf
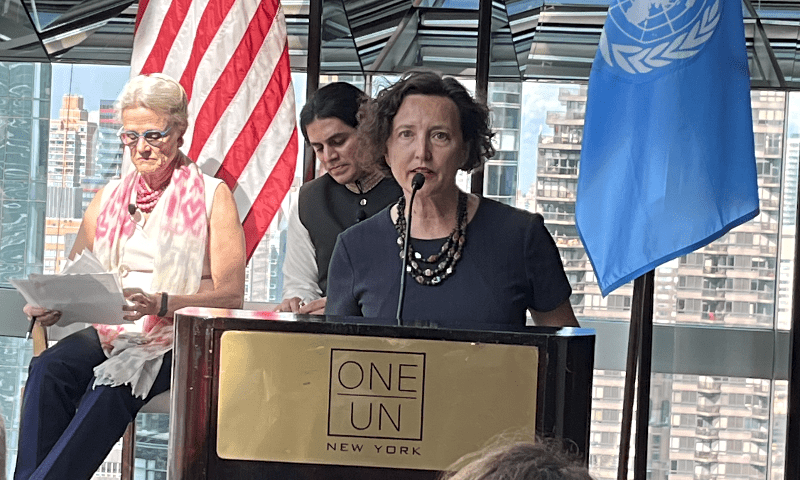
[135,358]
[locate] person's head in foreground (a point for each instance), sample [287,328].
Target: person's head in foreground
[521,460]
[328,122]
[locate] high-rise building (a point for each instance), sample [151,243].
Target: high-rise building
[700,426]
[108,152]
[60,235]
[70,159]
[553,195]
[732,280]
[106,156]
[791,171]
[500,172]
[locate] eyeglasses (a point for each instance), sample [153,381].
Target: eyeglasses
[154,138]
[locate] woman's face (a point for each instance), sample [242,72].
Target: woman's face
[149,159]
[335,144]
[426,138]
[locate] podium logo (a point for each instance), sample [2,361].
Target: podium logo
[376,394]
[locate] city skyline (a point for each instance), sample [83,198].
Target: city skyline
[700,419]
[107,81]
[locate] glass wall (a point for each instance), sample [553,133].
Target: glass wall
[24,120]
[56,154]
[24,114]
[701,426]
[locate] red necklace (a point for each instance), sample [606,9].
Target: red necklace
[146,199]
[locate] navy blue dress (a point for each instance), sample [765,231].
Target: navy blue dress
[509,264]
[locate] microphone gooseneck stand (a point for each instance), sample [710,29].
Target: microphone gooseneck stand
[416,183]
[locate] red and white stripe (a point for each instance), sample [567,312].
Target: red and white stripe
[232,58]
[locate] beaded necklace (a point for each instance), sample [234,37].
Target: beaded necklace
[434,269]
[146,199]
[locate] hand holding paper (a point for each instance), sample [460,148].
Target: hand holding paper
[44,316]
[84,293]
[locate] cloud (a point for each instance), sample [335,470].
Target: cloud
[537,100]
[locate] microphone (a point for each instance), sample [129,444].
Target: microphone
[416,183]
[131,208]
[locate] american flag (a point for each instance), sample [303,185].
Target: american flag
[231,57]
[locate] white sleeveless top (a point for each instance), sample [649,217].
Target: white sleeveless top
[136,266]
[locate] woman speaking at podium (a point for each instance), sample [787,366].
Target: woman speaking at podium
[174,236]
[472,262]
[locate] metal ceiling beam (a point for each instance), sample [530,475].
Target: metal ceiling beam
[563,40]
[20,40]
[776,68]
[390,44]
[312,77]
[87,13]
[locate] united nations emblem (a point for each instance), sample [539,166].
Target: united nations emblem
[643,35]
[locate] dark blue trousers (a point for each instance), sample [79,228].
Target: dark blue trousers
[67,428]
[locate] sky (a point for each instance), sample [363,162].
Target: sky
[537,100]
[94,82]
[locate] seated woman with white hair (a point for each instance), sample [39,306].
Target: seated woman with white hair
[174,236]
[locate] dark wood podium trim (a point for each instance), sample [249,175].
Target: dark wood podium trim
[563,401]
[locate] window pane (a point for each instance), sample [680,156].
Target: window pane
[23,151]
[500,178]
[700,427]
[84,152]
[730,282]
[552,131]
[24,110]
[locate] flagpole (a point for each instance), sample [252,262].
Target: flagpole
[640,346]
[312,75]
[645,314]
[482,65]
[630,385]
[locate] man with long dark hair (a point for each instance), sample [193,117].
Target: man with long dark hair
[352,190]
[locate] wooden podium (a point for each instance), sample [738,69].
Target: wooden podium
[274,395]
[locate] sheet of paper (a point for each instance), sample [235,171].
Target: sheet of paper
[84,262]
[84,297]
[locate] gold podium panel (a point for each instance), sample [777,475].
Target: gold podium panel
[368,401]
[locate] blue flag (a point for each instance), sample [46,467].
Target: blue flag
[668,157]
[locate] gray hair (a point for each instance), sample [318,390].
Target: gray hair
[157,92]
[507,459]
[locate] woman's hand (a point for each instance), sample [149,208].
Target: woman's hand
[296,305]
[290,305]
[142,303]
[315,307]
[44,316]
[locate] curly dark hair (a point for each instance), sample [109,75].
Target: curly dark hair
[521,460]
[377,115]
